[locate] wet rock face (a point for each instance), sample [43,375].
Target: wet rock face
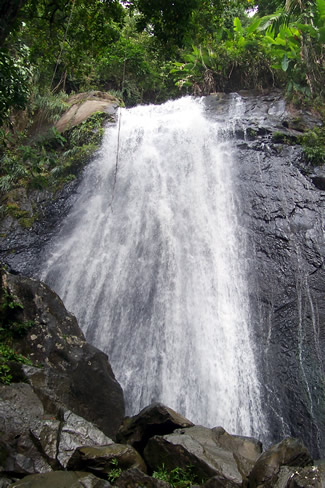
[283,214]
[282,211]
[19,246]
[281,207]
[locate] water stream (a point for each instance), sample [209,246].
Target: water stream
[151,260]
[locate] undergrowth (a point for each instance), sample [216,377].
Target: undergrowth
[313,143]
[11,327]
[47,162]
[115,471]
[177,477]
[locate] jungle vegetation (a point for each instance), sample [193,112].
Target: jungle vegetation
[142,51]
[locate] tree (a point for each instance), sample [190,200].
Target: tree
[267,7]
[65,37]
[167,21]
[9,12]
[14,84]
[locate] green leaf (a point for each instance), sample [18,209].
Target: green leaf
[253,26]
[322,34]
[309,29]
[321,7]
[279,41]
[237,25]
[285,63]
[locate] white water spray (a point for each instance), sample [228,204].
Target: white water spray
[156,275]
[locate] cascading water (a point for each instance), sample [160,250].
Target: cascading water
[151,260]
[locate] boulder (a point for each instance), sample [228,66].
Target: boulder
[103,459]
[58,440]
[45,435]
[211,452]
[83,106]
[246,450]
[306,478]
[135,478]
[31,441]
[5,482]
[292,477]
[62,479]
[71,374]
[289,452]
[20,410]
[156,419]
[220,482]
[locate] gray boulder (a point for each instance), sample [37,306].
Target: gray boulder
[156,419]
[211,452]
[32,442]
[5,481]
[293,477]
[20,410]
[102,460]
[58,440]
[74,375]
[309,477]
[289,452]
[220,482]
[132,478]
[61,479]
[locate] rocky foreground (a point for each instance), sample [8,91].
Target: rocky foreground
[61,417]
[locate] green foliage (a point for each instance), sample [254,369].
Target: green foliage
[49,161]
[11,328]
[280,137]
[115,472]
[227,64]
[135,68]
[46,107]
[295,39]
[314,146]
[167,21]
[286,46]
[147,51]
[14,82]
[7,355]
[60,46]
[267,7]
[130,46]
[177,477]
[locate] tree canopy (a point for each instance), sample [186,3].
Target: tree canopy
[149,50]
[141,51]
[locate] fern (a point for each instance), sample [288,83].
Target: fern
[51,106]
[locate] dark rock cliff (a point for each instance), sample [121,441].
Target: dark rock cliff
[282,212]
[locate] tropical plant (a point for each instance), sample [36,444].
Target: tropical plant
[295,39]
[177,477]
[226,64]
[114,472]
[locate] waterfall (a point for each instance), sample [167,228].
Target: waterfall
[151,260]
